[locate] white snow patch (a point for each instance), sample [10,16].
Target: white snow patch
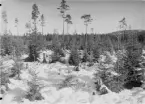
[47,54]
[25,75]
[50,94]
[18,84]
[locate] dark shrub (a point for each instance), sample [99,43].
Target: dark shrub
[16,69]
[6,44]
[85,57]
[33,53]
[66,82]
[34,92]
[96,53]
[114,83]
[74,58]
[34,88]
[36,42]
[4,79]
[55,58]
[127,64]
[57,49]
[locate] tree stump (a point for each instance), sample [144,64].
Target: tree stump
[44,58]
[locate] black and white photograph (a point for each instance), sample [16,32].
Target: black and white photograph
[72,52]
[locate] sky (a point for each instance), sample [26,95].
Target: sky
[106,14]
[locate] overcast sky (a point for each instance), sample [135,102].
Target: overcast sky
[106,14]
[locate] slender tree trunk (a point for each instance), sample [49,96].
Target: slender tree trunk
[42,30]
[118,42]
[86,35]
[5,31]
[29,31]
[17,31]
[123,38]
[67,28]
[63,25]
[86,28]
[35,27]
[63,33]
[34,57]
[44,58]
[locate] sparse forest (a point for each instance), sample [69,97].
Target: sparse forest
[116,59]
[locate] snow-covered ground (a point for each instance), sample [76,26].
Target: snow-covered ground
[51,74]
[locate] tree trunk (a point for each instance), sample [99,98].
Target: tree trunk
[86,28]
[86,35]
[29,31]
[35,27]
[44,58]
[42,30]
[67,28]
[17,31]
[5,29]
[63,33]
[63,25]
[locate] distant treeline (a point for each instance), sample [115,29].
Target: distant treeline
[115,40]
[101,42]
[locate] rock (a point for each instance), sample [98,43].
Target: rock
[143,86]
[103,90]
[76,68]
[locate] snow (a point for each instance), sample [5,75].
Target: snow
[25,75]
[24,56]
[85,73]
[50,94]
[7,64]
[50,74]
[47,54]
[13,96]
[18,84]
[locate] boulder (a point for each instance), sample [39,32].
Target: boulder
[103,90]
